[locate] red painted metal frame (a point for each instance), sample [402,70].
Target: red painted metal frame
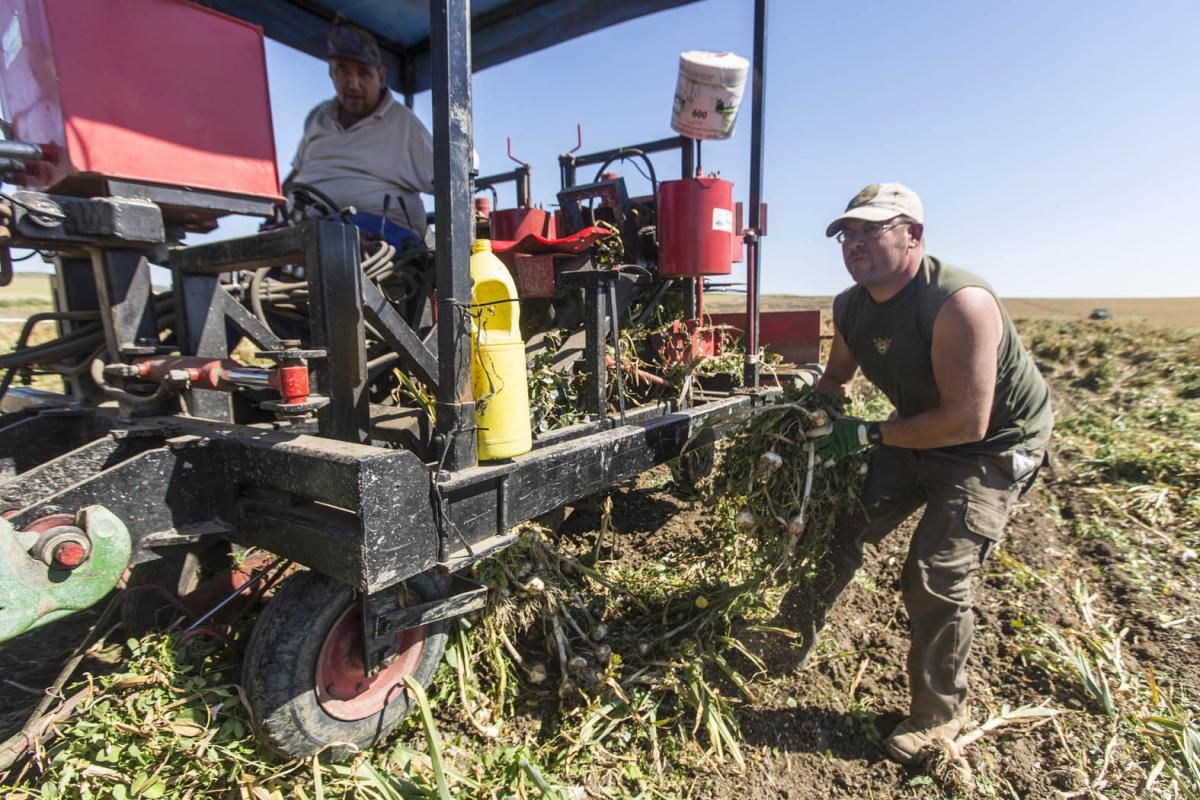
[795,335]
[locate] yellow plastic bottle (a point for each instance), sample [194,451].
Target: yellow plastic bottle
[497,359]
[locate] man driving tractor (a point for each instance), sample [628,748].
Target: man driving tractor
[362,149]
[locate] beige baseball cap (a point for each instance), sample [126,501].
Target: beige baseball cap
[879,202]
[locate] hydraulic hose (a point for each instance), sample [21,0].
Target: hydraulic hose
[627,152]
[27,329]
[97,371]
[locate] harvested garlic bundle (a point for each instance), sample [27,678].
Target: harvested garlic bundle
[770,461]
[534,585]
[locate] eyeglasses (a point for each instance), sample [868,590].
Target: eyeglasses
[867,232]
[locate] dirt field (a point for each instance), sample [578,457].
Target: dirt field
[1089,608]
[1175,312]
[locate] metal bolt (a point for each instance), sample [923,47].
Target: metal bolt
[121,370]
[69,555]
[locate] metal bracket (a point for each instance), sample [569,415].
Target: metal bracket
[383,620]
[465,596]
[49,220]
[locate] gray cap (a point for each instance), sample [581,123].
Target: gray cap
[879,202]
[354,43]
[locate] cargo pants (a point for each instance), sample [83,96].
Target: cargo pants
[967,500]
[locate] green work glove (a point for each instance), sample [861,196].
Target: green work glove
[844,436]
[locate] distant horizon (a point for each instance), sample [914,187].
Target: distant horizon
[46,270]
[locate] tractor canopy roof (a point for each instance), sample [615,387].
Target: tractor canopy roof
[501,30]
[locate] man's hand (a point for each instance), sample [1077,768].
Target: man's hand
[843,437]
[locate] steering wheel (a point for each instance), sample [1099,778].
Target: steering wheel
[307,201]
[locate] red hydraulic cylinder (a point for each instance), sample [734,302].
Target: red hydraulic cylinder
[203,373]
[225,375]
[695,227]
[291,382]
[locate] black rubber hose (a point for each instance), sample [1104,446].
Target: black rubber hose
[27,329]
[628,152]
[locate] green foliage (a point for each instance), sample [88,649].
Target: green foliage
[1128,417]
[172,722]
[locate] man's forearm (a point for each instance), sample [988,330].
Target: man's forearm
[938,427]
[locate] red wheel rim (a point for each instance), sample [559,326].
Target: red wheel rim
[43,524]
[343,690]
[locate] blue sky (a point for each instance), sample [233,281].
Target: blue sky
[1054,143]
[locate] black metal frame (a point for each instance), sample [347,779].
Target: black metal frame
[521,177]
[569,163]
[365,515]
[754,231]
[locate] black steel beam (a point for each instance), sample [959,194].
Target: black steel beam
[70,468]
[126,299]
[519,176]
[753,237]
[450,39]
[569,162]
[364,515]
[360,514]
[389,519]
[632,416]
[267,249]
[549,477]
[595,327]
[336,316]
[201,332]
[247,323]
[36,438]
[384,620]
[185,200]
[392,328]
[157,490]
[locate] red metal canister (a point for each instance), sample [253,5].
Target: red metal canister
[695,227]
[514,224]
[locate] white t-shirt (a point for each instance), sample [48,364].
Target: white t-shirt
[388,154]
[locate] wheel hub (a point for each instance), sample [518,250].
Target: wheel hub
[344,690]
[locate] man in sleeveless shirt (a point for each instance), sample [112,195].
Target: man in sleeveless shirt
[970,429]
[363,149]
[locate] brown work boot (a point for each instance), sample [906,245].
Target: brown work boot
[907,742]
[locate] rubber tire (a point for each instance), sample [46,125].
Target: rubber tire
[279,669]
[179,571]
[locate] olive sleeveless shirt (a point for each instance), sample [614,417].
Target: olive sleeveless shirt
[892,343]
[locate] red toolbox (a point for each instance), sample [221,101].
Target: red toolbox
[157,92]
